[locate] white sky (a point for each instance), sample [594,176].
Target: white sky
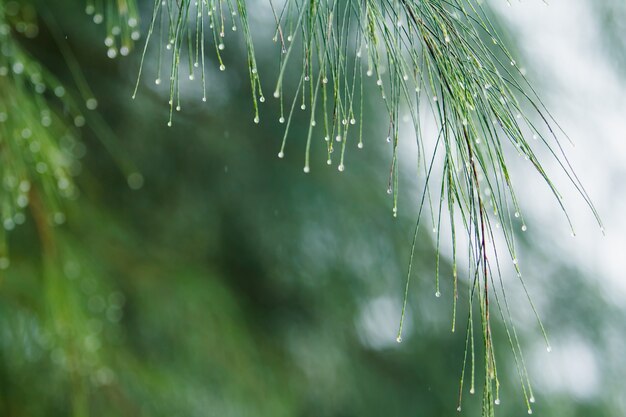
[588,98]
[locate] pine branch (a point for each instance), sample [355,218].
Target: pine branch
[121,21]
[38,147]
[438,57]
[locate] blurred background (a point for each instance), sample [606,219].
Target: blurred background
[226,282]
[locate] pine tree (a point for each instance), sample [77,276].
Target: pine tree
[442,63]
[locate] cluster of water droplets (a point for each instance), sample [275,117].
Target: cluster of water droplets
[91,311]
[187,32]
[38,147]
[121,20]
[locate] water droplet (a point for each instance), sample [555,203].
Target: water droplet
[458,409]
[530,411]
[325,80]
[514,261]
[169,124]
[9,224]
[256,119]
[281,154]
[531,399]
[524,228]
[313,123]
[91,103]
[4,262]
[289,38]
[369,73]
[303,106]
[262,99]
[438,294]
[178,107]
[157,81]
[79,121]
[24,186]
[472,390]
[328,161]
[135,181]
[497,401]
[399,339]
[191,77]
[360,145]
[379,82]
[221,46]
[34,146]
[388,139]
[222,67]
[306,169]
[59,218]
[22,200]
[341,167]
[549,348]
[281,119]
[516,214]
[306,78]
[338,138]
[352,121]
[276,94]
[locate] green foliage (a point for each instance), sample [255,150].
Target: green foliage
[441,61]
[38,147]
